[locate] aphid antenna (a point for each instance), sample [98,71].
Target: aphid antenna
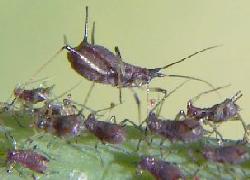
[209,91]
[189,56]
[158,74]
[237,96]
[88,93]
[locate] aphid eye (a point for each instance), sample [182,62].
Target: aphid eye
[41,124]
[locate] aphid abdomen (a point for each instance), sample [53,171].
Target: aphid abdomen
[88,61]
[110,133]
[28,159]
[71,125]
[224,111]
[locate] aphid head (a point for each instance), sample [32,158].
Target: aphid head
[11,154]
[194,112]
[146,163]
[155,73]
[90,122]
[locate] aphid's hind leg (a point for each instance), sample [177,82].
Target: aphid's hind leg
[113,119]
[120,70]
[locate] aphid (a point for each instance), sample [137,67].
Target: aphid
[187,130]
[107,132]
[232,154]
[228,109]
[62,126]
[161,170]
[26,158]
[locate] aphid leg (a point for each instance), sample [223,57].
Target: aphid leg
[97,152]
[180,115]
[88,94]
[138,103]
[161,147]
[11,139]
[217,133]
[120,70]
[245,127]
[155,89]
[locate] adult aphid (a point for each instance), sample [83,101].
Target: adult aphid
[98,64]
[161,170]
[232,154]
[228,109]
[26,158]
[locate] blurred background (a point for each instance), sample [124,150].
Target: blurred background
[148,33]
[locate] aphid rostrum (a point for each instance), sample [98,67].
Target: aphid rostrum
[161,170]
[26,158]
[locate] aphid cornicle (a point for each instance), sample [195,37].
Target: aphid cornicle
[161,170]
[232,154]
[107,132]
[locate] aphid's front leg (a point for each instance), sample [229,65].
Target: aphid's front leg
[88,94]
[97,152]
[217,133]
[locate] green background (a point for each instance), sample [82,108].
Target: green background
[148,33]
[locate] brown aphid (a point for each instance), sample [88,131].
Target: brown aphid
[28,159]
[32,96]
[187,130]
[107,132]
[62,126]
[97,63]
[217,113]
[233,154]
[161,170]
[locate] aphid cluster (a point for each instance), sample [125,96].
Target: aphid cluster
[98,64]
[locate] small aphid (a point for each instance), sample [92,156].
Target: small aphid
[107,132]
[187,130]
[62,126]
[233,154]
[224,111]
[217,113]
[32,96]
[28,159]
[161,170]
